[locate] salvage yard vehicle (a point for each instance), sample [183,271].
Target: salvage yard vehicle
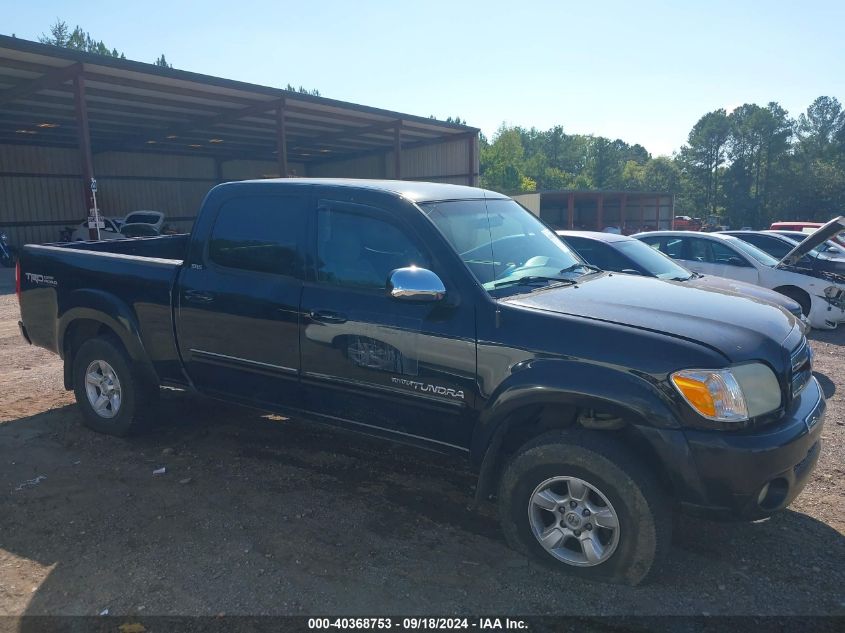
[110,230]
[591,404]
[780,246]
[628,255]
[828,248]
[821,295]
[806,227]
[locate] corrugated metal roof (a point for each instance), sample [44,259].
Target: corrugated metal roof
[143,107]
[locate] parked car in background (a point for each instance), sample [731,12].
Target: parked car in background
[114,227]
[779,246]
[624,254]
[687,223]
[139,229]
[111,230]
[821,296]
[805,227]
[153,218]
[829,247]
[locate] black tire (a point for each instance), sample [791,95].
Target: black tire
[799,296]
[644,517]
[137,396]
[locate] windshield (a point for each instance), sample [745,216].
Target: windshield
[652,260]
[814,252]
[501,243]
[142,217]
[752,251]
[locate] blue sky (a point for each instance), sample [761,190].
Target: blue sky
[641,71]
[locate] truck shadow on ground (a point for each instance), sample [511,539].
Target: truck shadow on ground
[256,514]
[827,385]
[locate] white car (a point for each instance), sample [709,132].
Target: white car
[154,218]
[111,231]
[821,296]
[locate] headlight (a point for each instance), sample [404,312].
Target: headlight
[729,395]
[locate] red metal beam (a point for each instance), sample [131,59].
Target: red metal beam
[48,80]
[282,139]
[198,124]
[471,150]
[622,202]
[397,151]
[84,146]
[600,212]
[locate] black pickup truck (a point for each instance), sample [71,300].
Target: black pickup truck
[591,404]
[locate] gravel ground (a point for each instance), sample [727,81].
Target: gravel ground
[257,514]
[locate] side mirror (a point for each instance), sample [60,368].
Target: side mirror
[415,284]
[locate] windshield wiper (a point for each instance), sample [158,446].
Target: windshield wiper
[527,279]
[576,266]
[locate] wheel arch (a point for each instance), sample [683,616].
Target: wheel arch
[594,399]
[798,294]
[92,314]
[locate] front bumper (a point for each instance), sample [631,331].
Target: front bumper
[750,475]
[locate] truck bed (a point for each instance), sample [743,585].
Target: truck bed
[130,280]
[161,247]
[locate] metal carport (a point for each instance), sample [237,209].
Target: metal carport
[160,138]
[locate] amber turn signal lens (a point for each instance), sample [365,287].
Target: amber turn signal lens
[697,394]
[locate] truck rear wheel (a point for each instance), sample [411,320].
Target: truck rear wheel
[113,398]
[580,503]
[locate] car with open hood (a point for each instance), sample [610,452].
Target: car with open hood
[820,258]
[821,294]
[806,227]
[628,255]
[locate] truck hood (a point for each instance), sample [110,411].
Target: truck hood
[712,282]
[819,236]
[741,328]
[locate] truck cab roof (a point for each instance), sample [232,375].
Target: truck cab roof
[411,190]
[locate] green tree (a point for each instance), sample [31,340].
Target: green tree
[821,127]
[77,39]
[503,162]
[162,61]
[303,90]
[758,144]
[661,174]
[701,159]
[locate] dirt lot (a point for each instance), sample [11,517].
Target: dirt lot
[260,515]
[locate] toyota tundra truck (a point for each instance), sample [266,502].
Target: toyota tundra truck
[592,405]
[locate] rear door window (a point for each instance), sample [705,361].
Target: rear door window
[260,234]
[725,255]
[771,245]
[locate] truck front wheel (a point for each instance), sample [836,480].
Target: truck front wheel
[580,503]
[113,399]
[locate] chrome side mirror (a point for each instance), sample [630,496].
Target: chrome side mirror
[415,284]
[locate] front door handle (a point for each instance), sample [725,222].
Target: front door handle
[326,316]
[198,296]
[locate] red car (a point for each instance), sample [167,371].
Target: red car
[686,223]
[798,225]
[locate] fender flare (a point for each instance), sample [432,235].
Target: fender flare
[105,308]
[634,397]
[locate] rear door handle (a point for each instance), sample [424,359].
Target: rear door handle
[197,296]
[326,316]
